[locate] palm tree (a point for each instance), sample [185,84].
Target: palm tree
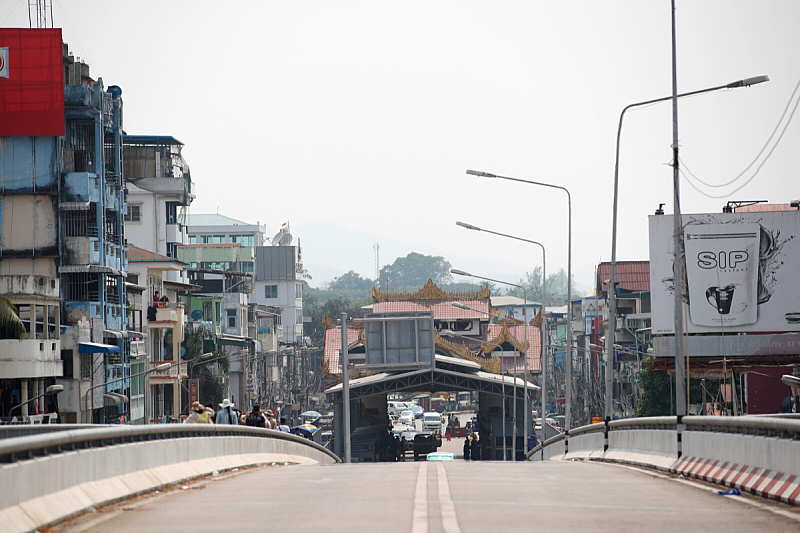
[11,327]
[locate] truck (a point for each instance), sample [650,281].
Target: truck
[432,421]
[425,443]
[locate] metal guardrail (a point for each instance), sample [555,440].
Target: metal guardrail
[77,437]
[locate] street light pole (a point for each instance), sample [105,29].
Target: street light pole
[449,333]
[52,389]
[612,295]
[159,368]
[525,355]
[543,350]
[568,392]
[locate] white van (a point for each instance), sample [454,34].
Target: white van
[432,422]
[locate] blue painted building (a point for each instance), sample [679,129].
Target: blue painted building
[63,253]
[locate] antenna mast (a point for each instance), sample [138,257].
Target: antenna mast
[44,10]
[377,248]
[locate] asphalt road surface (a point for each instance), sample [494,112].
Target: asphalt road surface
[456,496]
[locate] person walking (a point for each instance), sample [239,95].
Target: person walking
[283,426]
[254,418]
[226,414]
[467,447]
[198,415]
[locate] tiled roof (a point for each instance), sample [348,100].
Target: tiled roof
[630,275]
[534,352]
[134,253]
[442,310]
[333,345]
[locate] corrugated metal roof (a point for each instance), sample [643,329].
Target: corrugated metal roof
[212,220]
[630,275]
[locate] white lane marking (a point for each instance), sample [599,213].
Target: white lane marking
[420,521]
[449,518]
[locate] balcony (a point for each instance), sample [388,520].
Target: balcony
[31,358]
[167,316]
[81,187]
[173,373]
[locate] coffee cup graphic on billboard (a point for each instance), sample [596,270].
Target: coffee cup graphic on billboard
[722,266]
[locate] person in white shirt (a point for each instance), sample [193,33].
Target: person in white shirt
[283,427]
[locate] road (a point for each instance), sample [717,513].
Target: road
[457,496]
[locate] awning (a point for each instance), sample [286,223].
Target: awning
[113,333]
[96,347]
[91,269]
[73,206]
[114,398]
[233,340]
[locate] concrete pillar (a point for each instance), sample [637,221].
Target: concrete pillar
[23,396]
[40,392]
[338,428]
[176,399]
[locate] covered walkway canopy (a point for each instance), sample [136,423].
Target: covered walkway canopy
[450,373]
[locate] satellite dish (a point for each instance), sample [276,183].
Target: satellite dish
[263,329]
[197,314]
[286,239]
[277,238]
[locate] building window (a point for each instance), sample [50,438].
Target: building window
[134,213]
[172,212]
[86,366]
[298,291]
[231,318]
[298,316]
[270,291]
[192,239]
[212,239]
[172,250]
[246,266]
[244,240]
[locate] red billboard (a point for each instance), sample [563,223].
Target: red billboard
[31,82]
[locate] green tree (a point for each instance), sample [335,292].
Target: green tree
[414,270]
[655,400]
[333,307]
[351,285]
[556,287]
[11,327]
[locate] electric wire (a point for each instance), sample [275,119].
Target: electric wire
[689,176]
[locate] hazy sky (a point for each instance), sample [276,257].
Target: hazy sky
[355,121]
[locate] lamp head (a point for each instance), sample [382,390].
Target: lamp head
[747,82]
[792,381]
[459,305]
[447,333]
[162,367]
[480,174]
[459,272]
[467,226]
[54,389]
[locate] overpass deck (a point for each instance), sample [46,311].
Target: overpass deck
[452,497]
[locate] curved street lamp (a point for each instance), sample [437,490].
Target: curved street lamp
[50,390]
[680,378]
[543,353]
[449,333]
[160,368]
[525,356]
[568,392]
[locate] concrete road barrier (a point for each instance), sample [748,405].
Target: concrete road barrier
[51,477]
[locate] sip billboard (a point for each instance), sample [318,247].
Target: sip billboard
[741,272]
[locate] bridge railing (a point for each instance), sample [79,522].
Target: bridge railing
[58,474]
[757,454]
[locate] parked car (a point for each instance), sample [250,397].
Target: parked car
[406,417]
[396,408]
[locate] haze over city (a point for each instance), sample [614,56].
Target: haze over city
[356,121]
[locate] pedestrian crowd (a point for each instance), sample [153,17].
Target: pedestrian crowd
[229,414]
